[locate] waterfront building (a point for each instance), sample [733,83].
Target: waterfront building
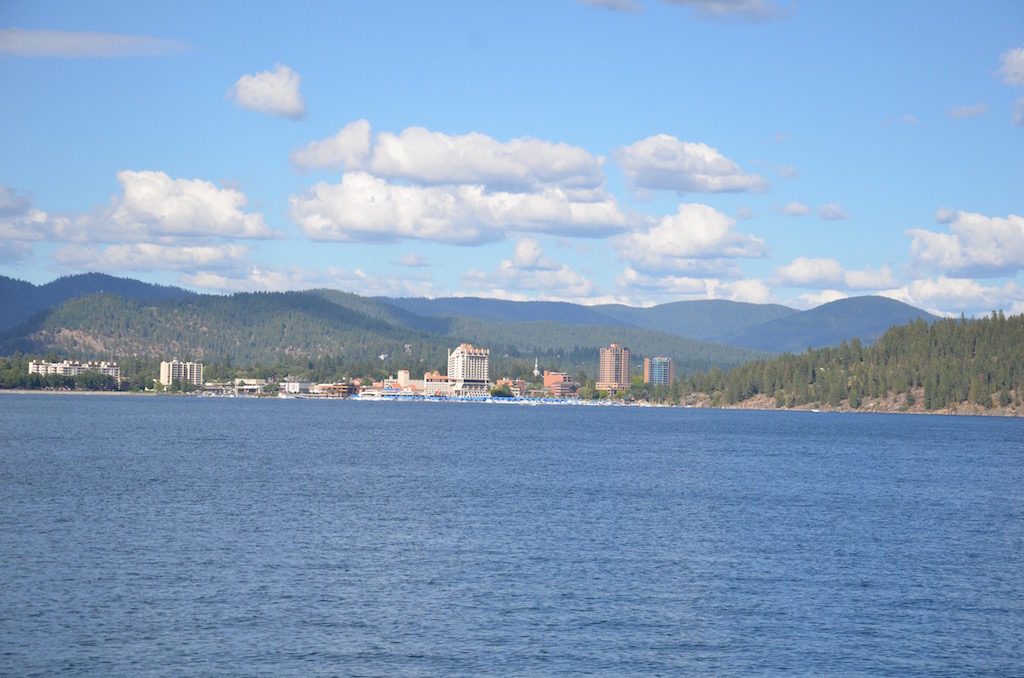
[72,368]
[468,370]
[516,386]
[613,371]
[293,386]
[178,371]
[436,384]
[659,371]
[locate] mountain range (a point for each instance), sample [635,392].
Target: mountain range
[96,315]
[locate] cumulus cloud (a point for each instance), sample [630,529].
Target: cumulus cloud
[636,285]
[812,299]
[275,92]
[832,211]
[150,256]
[615,5]
[677,242]
[348,149]
[664,162]
[738,10]
[154,206]
[951,296]
[810,272]
[282,279]
[963,112]
[414,261]
[975,245]
[364,207]
[20,222]
[796,209]
[422,156]
[531,274]
[1011,66]
[17,42]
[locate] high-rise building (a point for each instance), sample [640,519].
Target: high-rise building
[659,371]
[467,370]
[613,373]
[179,371]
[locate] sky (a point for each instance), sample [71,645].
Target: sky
[599,151]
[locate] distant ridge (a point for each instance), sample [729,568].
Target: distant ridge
[20,300]
[82,313]
[864,318]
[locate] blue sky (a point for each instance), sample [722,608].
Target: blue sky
[607,151]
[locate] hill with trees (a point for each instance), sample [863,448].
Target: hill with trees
[917,366]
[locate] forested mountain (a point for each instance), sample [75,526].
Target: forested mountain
[706,319]
[99,316]
[20,300]
[865,318]
[305,330]
[931,366]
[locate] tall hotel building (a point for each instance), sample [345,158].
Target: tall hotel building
[179,371]
[467,370]
[613,374]
[659,371]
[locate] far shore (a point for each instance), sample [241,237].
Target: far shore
[699,402]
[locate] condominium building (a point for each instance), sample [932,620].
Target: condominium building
[659,371]
[71,368]
[467,370]
[179,371]
[613,372]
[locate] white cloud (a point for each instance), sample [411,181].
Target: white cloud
[831,211]
[531,274]
[1011,66]
[414,261]
[615,5]
[695,232]
[788,171]
[664,162]
[275,92]
[20,222]
[365,207]
[348,149]
[637,286]
[742,10]
[14,250]
[813,299]
[810,272]
[421,156]
[273,279]
[976,245]
[796,209]
[17,42]
[153,256]
[154,206]
[963,112]
[953,296]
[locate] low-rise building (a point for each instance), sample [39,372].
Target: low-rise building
[72,368]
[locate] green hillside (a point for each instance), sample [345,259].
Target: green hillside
[942,364]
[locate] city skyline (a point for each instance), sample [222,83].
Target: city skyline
[597,151]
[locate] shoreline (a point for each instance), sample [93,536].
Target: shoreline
[700,403]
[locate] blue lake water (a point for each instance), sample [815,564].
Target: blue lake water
[185,536]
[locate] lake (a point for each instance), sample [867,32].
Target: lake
[170,536]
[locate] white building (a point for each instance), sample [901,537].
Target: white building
[179,371]
[467,370]
[71,368]
[294,386]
